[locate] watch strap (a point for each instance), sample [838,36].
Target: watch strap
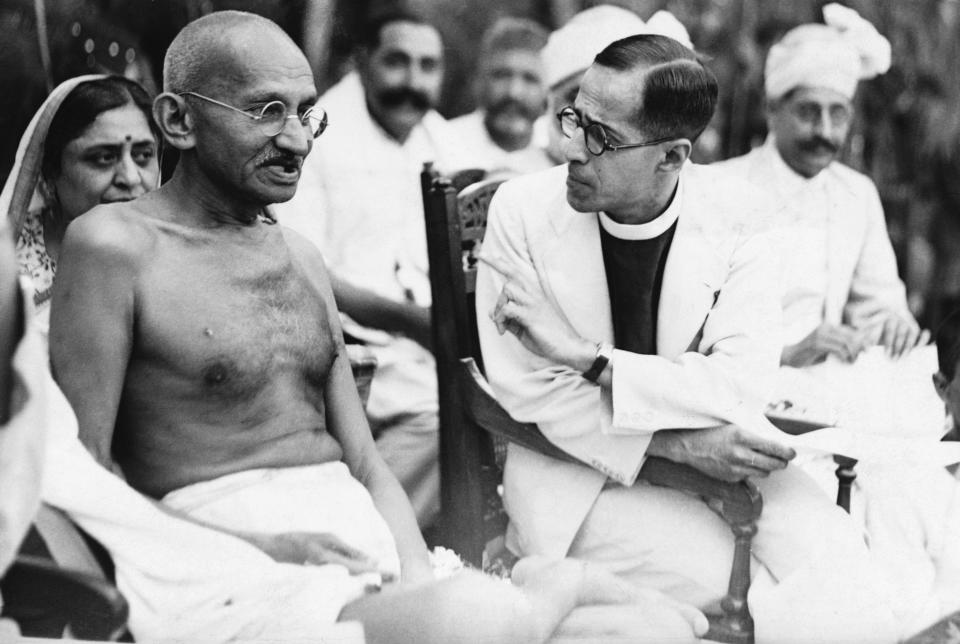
[600,362]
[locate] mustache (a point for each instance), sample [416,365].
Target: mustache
[287,160]
[817,143]
[397,96]
[510,104]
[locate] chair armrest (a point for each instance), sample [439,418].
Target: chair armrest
[483,410]
[735,502]
[44,599]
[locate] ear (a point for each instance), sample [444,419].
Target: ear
[174,120]
[675,154]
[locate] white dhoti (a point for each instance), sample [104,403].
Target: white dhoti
[814,579]
[321,498]
[190,583]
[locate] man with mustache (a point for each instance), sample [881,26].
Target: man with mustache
[359,201]
[511,96]
[842,292]
[199,344]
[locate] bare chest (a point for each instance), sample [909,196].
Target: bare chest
[229,323]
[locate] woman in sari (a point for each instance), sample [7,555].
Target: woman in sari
[93,141]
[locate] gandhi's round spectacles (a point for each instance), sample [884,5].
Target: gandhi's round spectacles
[594,135]
[273,116]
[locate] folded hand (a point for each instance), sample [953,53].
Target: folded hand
[727,452]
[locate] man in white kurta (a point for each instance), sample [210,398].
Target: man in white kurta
[547,316]
[359,201]
[498,135]
[841,293]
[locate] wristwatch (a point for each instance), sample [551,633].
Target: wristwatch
[604,355]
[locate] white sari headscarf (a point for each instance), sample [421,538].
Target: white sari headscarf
[24,203]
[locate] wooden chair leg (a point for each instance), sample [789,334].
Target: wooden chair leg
[846,475]
[735,626]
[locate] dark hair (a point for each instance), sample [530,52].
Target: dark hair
[82,107]
[678,95]
[373,26]
[948,345]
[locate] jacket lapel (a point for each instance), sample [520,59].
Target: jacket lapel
[691,283]
[574,276]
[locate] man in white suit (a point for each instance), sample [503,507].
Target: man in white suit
[630,292]
[842,293]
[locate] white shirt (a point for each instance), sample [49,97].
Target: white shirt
[838,263]
[485,153]
[802,229]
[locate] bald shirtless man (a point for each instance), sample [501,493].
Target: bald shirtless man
[199,345]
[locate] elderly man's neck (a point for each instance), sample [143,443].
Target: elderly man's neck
[204,204]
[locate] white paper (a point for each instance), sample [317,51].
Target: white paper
[875,394]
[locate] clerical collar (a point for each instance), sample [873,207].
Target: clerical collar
[651,229]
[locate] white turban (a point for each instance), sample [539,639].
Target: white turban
[836,56]
[572,48]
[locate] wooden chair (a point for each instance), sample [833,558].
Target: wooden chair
[473,426]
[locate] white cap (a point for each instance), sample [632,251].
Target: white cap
[836,55]
[571,49]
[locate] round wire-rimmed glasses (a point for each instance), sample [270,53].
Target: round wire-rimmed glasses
[595,136]
[273,116]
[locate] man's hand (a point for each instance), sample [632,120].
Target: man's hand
[842,341]
[524,310]
[727,452]
[312,549]
[900,334]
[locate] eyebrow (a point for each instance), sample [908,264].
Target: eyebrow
[117,146]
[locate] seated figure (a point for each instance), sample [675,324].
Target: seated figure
[199,345]
[840,291]
[628,305]
[359,202]
[498,135]
[93,141]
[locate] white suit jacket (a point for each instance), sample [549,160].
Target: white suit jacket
[718,342]
[862,280]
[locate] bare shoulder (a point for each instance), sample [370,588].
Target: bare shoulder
[119,233]
[307,254]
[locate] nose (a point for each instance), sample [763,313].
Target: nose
[824,124]
[575,147]
[294,137]
[517,87]
[127,172]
